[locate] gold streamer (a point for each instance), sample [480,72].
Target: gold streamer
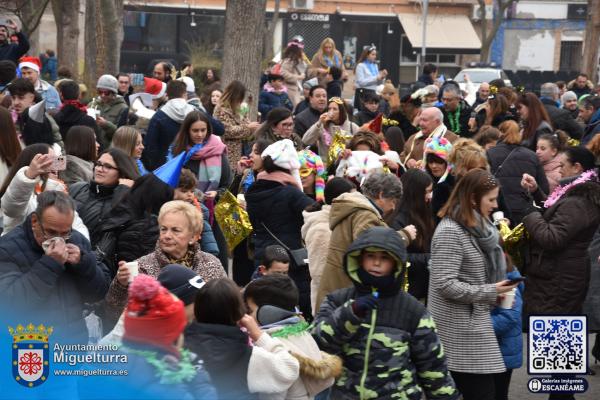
[233,220]
[338,144]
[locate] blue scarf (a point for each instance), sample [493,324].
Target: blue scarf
[335,62]
[373,70]
[248,181]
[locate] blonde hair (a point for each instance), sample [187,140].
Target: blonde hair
[466,155]
[192,214]
[324,42]
[511,134]
[125,138]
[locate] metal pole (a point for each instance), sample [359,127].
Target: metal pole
[424,34]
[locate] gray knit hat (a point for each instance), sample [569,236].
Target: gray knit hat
[108,82]
[570,95]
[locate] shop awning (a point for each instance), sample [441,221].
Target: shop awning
[445,33]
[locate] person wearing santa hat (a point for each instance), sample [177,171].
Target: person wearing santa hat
[12,51]
[30,69]
[111,109]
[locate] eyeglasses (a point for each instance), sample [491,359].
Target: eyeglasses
[104,92]
[49,233]
[104,166]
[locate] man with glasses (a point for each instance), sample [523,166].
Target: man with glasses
[125,88]
[48,271]
[456,111]
[111,109]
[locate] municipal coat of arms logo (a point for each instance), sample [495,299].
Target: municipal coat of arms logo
[30,354]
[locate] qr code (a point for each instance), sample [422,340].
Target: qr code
[558,344]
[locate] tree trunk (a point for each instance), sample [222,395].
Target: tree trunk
[592,41]
[112,19]
[488,38]
[244,33]
[66,15]
[91,44]
[29,13]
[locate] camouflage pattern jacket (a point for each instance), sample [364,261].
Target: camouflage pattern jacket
[394,351]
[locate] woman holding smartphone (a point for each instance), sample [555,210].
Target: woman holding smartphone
[323,131]
[34,171]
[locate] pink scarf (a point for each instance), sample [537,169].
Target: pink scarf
[209,173]
[279,176]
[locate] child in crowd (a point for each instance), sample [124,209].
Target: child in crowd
[386,337]
[507,326]
[272,302]
[276,260]
[186,191]
[237,368]
[334,82]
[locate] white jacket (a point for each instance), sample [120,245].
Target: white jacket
[20,200]
[272,369]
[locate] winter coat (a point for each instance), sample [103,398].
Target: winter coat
[293,74]
[319,60]
[463,119]
[70,116]
[239,371]
[317,369]
[115,113]
[48,93]
[508,163]
[270,99]
[542,129]
[145,382]
[418,272]
[316,234]
[303,105]
[93,203]
[51,68]
[591,129]
[161,133]
[20,200]
[364,79]
[552,171]
[78,170]
[206,265]
[591,306]
[508,327]
[316,135]
[558,271]
[279,207]
[236,131]
[305,119]
[562,119]
[14,51]
[334,89]
[364,116]
[39,288]
[350,214]
[460,301]
[392,352]
[580,91]
[413,148]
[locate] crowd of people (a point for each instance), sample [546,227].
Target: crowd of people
[371,261]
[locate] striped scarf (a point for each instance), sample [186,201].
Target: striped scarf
[209,173]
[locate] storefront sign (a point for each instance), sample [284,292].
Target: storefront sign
[310,17]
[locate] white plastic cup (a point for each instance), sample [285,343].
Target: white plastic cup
[497,216]
[133,270]
[509,299]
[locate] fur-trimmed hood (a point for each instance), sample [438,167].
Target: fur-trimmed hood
[588,190]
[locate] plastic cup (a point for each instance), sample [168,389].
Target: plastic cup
[508,300]
[133,270]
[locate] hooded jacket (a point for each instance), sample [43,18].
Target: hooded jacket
[591,129]
[316,235]
[69,116]
[394,351]
[350,214]
[270,99]
[558,273]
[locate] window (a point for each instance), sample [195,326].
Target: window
[570,56]
[409,55]
[150,32]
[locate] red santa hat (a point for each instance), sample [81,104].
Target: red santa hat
[33,63]
[155,87]
[153,315]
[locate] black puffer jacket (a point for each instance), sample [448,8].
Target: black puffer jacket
[558,272]
[38,288]
[562,119]
[93,203]
[508,163]
[279,207]
[69,116]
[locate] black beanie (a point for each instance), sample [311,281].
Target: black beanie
[336,187]
[181,281]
